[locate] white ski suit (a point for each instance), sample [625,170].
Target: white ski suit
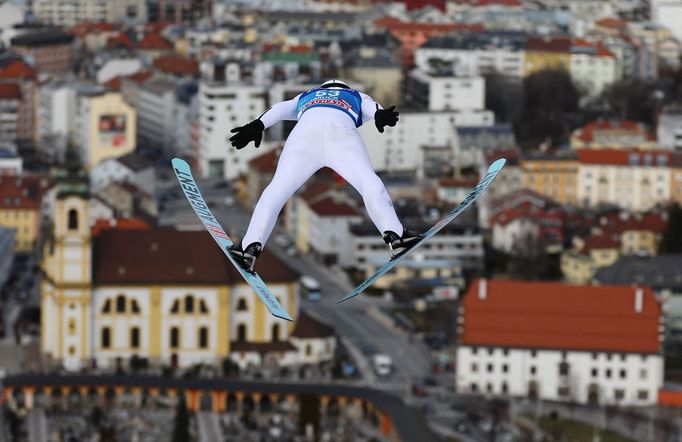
[326,135]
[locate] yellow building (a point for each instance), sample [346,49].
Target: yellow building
[547,53]
[169,296]
[552,175]
[580,264]
[106,127]
[676,180]
[20,208]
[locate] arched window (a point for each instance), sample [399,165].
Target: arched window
[135,337]
[203,337]
[275,333]
[202,307]
[174,337]
[189,304]
[241,305]
[107,306]
[120,304]
[241,333]
[106,337]
[134,307]
[176,306]
[73,219]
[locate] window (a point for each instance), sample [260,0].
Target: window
[595,372]
[241,333]
[202,307]
[490,351]
[473,387]
[489,367]
[135,337]
[106,337]
[176,307]
[608,373]
[474,367]
[505,352]
[134,307]
[275,333]
[642,373]
[489,387]
[189,304]
[505,368]
[608,356]
[533,369]
[563,391]
[642,395]
[564,368]
[308,349]
[241,305]
[72,326]
[505,388]
[107,306]
[73,219]
[174,337]
[203,337]
[622,357]
[533,353]
[120,304]
[619,394]
[474,350]
[623,373]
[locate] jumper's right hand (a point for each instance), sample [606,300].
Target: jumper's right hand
[247,133]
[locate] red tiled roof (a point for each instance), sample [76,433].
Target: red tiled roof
[82,29]
[611,22]
[587,132]
[469,181]
[166,256]
[552,315]
[138,77]
[120,41]
[599,242]
[553,44]
[315,189]
[154,41]
[177,65]
[102,224]
[308,327]
[328,207]
[21,192]
[622,157]
[10,91]
[17,69]
[266,162]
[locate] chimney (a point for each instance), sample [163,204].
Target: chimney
[639,300]
[482,289]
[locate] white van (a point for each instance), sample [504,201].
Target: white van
[310,288]
[383,365]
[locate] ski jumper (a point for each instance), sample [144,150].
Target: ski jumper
[326,135]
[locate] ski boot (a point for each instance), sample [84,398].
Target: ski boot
[246,258]
[397,245]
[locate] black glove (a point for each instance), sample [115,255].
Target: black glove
[385,117]
[245,134]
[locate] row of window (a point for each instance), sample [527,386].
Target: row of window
[187,305]
[618,393]
[134,337]
[564,354]
[564,369]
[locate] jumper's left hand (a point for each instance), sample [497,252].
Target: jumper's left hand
[385,117]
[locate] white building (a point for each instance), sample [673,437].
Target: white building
[118,67]
[431,92]
[72,12]
[592,66]
[10,163]
[222,108]
[185,120]
[669,131]
[402,148]
[155,114]
[11,14]
[668,13]
[130,168]
[632,179]
[588,344]
[56,114]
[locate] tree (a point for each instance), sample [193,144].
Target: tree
[672,237]
[633,99]
[550,100]
[181,428]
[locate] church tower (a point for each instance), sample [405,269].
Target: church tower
[67,282]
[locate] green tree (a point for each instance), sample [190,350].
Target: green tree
[672,237]
[550,102]
[181,428]
[632,99]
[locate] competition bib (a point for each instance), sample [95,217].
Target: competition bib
[346,100]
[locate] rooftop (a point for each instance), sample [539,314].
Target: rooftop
[657,272]
[44,38]
[548,315]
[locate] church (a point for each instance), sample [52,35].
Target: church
[166,295]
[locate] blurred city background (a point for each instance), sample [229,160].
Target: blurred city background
[551,310]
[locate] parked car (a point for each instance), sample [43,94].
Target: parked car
[419,390]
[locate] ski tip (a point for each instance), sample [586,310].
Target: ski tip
[498,163]
[178,162]
[284,316]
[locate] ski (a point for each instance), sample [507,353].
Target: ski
[196,200]
[490,175]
